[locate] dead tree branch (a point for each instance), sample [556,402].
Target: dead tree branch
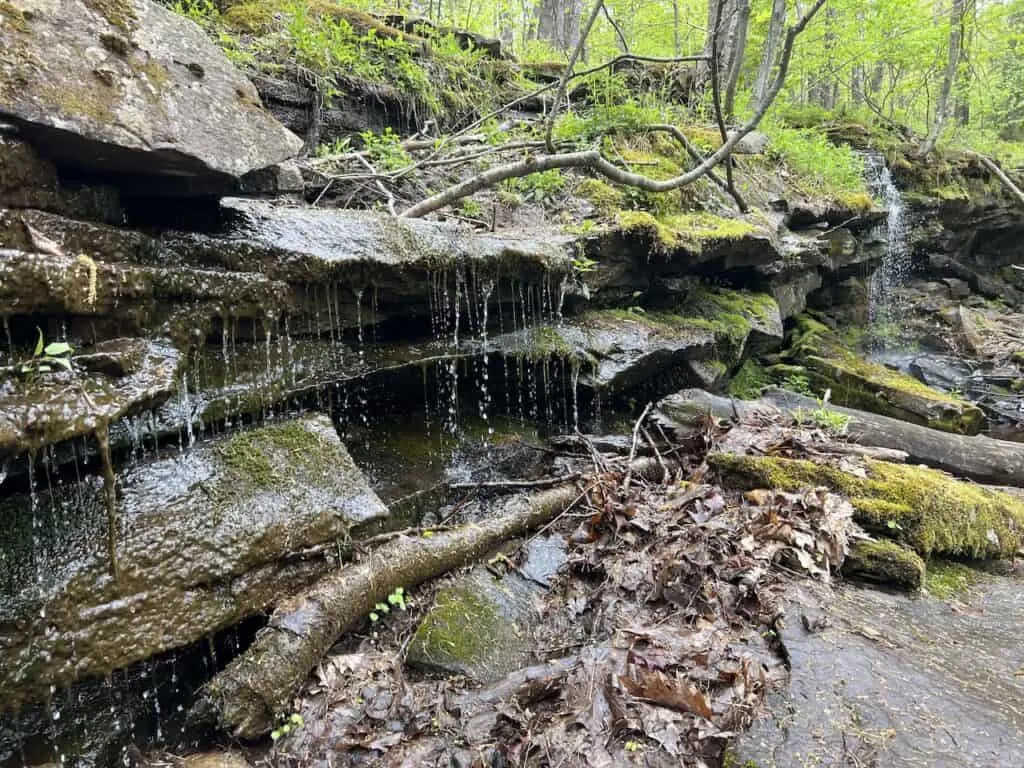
[593,160]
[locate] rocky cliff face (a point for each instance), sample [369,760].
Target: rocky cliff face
[262,312]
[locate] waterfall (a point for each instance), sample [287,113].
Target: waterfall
[896,263]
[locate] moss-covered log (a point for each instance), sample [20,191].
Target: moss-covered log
[245,697]
[885,562]
[977,457]
[857,383]
[923,508]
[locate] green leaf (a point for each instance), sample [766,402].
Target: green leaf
[374,616]
[297,719]
[44,368]
[63,362]
[275,735]
[39,344]
[57,348]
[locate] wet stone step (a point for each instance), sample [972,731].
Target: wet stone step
[204,539]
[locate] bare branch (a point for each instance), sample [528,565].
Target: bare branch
[594,161]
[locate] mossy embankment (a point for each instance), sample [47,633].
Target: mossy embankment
[923,508]
[818,353]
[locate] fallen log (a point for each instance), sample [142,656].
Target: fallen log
[976,457]
[246,696]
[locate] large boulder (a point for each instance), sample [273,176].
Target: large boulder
[205,538]
[127,87]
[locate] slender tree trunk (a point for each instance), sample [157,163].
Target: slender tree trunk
[944,101]
[737,52]
[676,41]
[776,32]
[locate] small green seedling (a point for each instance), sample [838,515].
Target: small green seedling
[47,357]
[293,723]
[396,599]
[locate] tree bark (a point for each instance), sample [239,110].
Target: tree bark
[737,52]
[558,22]
[979,458]
[944,102]
[776,30]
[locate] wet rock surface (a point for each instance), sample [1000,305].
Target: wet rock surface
[204,539]
[152,96]
[479,626]
[124,377]
[900,681]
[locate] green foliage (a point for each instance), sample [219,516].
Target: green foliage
[825,168]
[395,600]
[337,147]
[385,150]
[798,383]
[541,187]
[292,723]
[47,357]
[749,381]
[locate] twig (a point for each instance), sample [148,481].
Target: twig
[512,485]
[632,450]
[380,185]
[665,474]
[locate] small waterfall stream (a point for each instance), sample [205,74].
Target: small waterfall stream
[896,264]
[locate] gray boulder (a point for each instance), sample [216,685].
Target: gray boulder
[127,87]
[205,538]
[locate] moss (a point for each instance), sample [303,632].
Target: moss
[700,226]
[602,195]
[859,202]
[13,16]
[643,224]
[885,562]
[261,456]
[923,508]
[120,13]
[749,381]
[947,579]
[858,383]
[249,17]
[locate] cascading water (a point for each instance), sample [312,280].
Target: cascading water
[896,264]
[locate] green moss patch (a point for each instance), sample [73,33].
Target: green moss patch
[264,456]
[689,231]
[885,562]
[923,508]
[749,381]
[949,579]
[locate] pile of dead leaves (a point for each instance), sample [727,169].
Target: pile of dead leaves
[659,641]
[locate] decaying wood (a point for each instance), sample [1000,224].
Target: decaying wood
[245,696]
[979,458]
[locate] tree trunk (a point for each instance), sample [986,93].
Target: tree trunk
[245,696]
[677,44]
[979,458]
[558,22]
[737,51]
[772,43]
[944,102]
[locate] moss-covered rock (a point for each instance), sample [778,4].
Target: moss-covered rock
[857,383]
[478,627]
[135,90]
[885,562]
[206,538]
[923,508]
